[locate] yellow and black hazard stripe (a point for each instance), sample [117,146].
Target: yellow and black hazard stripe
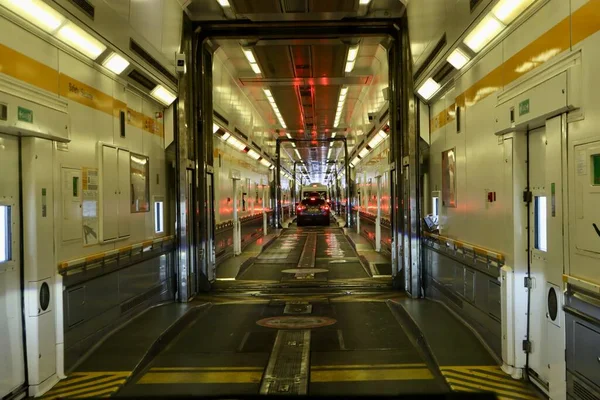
[88,384]
[488,379]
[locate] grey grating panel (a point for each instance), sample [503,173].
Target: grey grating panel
[86,7]
[287,371]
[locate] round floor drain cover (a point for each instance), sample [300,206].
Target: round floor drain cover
[304,271]
[292,322]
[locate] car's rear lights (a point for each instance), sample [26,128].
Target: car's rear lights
[326,208]
[313,198]
[301,208]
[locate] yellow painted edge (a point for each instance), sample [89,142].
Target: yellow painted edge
[97,256]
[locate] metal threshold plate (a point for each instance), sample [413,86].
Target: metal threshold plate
[304,271]
[297,307]
[287,371]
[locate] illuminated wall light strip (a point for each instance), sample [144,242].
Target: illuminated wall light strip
[377,139]
[264,162]
[253,154]
[37,12]
[458,58]
[163,95]
[235,143]
[484,33]
[215,128]
[115,63]
[363,152]
[224,3]
[428,89]
[249,53]
[508,10]
[80,40]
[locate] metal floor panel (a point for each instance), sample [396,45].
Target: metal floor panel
[288,368]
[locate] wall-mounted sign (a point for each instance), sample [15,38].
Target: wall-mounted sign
[524,107]
[449,178]
[25,115]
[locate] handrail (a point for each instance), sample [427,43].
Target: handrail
[144,246]
[582,283]
[455,244]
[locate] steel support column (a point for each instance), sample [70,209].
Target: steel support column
[278,216]
[405,150]
[347,169]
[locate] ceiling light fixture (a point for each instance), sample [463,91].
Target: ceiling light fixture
[275,108]
[363,152]
[224,3]
[215,128]
[377,139]
[249,53]
[508,10]
[354,161]
[428,89]
[364,2]
[236,143]
[253,154]
[115,63]
[458,58]
[351,58]
[80,40]
[338,113]
[37,12]
[484,33]
[288,135]
[163,95]
[298,154]
[265,162]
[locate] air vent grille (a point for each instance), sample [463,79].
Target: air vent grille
[221,118]
[142,79]
[436,50]
[3,112]
[582,392]
[242,134]
[446,70]
[137,49]
[86,7]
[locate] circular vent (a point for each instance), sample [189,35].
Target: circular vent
[44,296]
[552,304]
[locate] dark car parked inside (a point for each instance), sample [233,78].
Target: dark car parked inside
[313,210]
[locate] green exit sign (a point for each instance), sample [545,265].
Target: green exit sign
[524,107]
[25,115]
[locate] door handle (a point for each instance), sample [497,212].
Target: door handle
[597,229]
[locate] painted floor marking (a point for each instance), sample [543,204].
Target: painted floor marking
[487,379]
[88,384]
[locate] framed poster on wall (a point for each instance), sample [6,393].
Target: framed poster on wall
[449,178]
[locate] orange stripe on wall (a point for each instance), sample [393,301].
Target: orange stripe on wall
[584,22]
[28,70]
[33,72]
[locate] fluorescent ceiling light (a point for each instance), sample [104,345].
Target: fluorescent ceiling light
[288,135]
[275,108]
[355,161]
[363,152]
[36,12]
[255,68]
[331,144]
[235,143]
[428,89]
[333,135]
[298,154]
[293,145]
[458,58]
[224,3]
[163,95]
[364,2]
[329,153]
[80,40]
[351,59]
[508,10]
[483,33]
[215,128]
[253,154]
[249,55]
[377,139]
[265,162]
[115,63]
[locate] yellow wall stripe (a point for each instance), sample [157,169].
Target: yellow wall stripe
[28,70]
[33,72]
[583,23]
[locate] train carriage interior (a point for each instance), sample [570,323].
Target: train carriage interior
[335,198]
